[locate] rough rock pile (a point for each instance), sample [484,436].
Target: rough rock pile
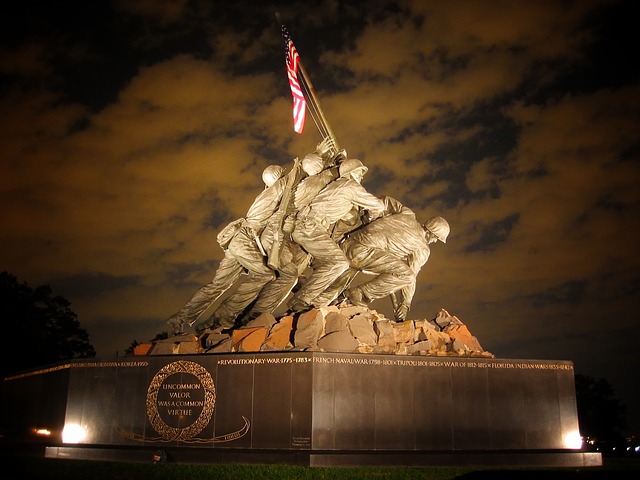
[343,328]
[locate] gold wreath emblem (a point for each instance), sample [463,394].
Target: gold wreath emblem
[173,433]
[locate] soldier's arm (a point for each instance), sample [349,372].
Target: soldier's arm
[367,201]
[393,206]
[265,205]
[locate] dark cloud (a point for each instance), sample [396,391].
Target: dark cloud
[491,236]
[92,284]
[572,292]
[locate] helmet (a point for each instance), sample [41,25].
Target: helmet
[312,164]
[439,227]
[271,174]
[351,165]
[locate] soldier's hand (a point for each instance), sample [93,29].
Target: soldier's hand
[289,224]
[340,156]
[250,225]
[326,146]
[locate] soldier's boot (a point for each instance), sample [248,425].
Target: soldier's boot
[214,322]
[296,305]
[356,297]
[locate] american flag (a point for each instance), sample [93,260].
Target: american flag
[299,102]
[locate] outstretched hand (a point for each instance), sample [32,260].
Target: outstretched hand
[326,146]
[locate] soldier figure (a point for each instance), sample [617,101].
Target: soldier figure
[243,253]
[312,230]
[294,260]
[394,247]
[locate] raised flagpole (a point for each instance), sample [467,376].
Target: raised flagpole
[308,91]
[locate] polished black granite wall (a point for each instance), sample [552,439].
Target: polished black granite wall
[294,401]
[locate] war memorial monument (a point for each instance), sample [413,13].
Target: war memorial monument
[292,366]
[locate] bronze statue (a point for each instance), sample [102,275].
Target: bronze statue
[319,216]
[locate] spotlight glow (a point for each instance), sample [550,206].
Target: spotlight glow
[73,433]
[572,440]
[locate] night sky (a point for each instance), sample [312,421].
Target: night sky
[133,131]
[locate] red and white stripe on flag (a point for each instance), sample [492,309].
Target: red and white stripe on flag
[299,102]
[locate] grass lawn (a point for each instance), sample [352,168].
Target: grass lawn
[21,466]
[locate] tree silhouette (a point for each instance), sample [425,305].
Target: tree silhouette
[41,328]
[600,414]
